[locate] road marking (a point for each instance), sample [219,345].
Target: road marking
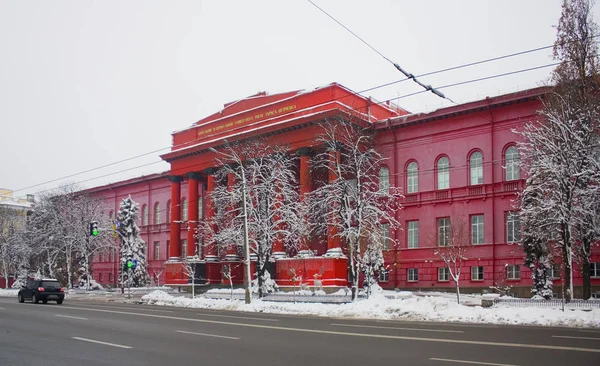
[99,342]
[207,335]
[2,309]
[70,317]
[589,331]
[131,308]
[471,362]
[417,329]
[570,337]
[239,317]
[437,340]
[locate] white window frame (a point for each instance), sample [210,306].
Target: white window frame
[157,214]
[443,274]
[513,272]
[412,275]
[156,250]
[412,233]
[476,168]
[512,161]
[385,235]
[595,269]
[412,180]
[513,227]
[184,245]
[384,275]
[200,208]
[477,229]
[443,173]
[384,178]
[144,215]
[443,231]
[476,271]
[184,209]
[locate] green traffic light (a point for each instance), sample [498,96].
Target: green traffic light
[129,264]
[95,232]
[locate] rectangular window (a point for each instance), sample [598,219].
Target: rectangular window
[477,273]
[413,274]
[595,269]
[555,271]
[513,272]
[384,276]
[157,250]
[513,227]
[183,248]
[443,274]
[413,234]
[200,208]
[443,225]
[477,229]
[385,235]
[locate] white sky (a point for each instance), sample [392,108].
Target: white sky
[88,83]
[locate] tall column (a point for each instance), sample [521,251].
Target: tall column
[211,253]
[333,241]
[231,248]
[305,187]
[174,225]
[192,213]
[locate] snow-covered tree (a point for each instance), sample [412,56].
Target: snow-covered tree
[265,175]
[12,250]
[189,269]
[356,206]
[133,246]
[452,246]
[535,238]
[562,147]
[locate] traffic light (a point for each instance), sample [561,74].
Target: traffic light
[94,228]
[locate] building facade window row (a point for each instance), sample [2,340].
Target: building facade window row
[511,165]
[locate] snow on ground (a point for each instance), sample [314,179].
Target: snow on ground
[413,308]
[9,292]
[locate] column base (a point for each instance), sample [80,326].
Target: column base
[305,253]
[278,255]
[232,257]
[174,259]
[334,253]
[211,258]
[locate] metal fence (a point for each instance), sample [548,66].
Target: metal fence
[553,303]
[290,297]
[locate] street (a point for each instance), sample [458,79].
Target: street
[82,332]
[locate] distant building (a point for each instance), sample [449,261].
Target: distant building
[457,166]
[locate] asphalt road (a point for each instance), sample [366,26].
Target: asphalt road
[82,332]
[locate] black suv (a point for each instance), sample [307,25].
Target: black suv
[44,290]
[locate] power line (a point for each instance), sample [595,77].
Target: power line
[398,67]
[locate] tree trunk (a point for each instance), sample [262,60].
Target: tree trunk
[457,292]
[587,282]
[568,264]
[69,276]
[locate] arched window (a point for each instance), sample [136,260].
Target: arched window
[156,213]
[511,157]
[168,212]
[384,179]
[184,209]
[144,215]
[200,208]
[412,176]
[476,168]
[443,173]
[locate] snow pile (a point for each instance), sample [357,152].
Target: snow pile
[414,308]
[8,293]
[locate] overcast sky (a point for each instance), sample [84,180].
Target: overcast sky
[88,83]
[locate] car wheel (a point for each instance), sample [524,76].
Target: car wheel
[21,299]
[34,299]
[45,301]
[59,301]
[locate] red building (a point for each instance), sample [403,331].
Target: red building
[456,165]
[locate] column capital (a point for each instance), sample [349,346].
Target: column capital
[193,175]
[175,178]
[305,151]
[210,171]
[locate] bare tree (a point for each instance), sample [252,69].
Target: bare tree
[189,269]
[229,276]
[452,248]
[12,251]
[263,176]
[157,268]
[356,205]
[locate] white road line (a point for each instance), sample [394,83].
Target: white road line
[570,337]
[239,317]
[131,308]
[99,342]
[2,309]
[417,329]
[70,317]
[470,362]
[207,335]
[304,330]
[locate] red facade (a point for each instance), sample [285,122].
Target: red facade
[454,165]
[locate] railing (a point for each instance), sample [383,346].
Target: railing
[553,303]
[466,192]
